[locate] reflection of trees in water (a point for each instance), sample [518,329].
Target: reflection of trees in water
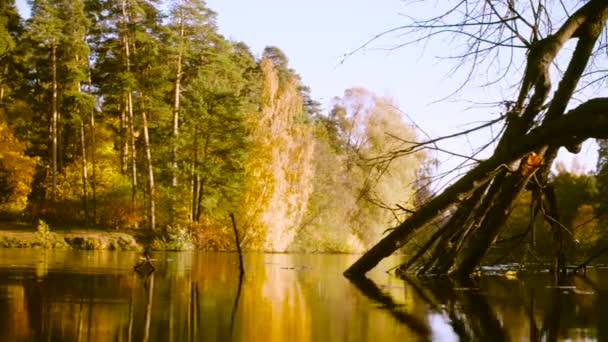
[497,309]
[281,300]
[373,292]
[273,297]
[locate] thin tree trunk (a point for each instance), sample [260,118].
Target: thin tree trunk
[550,210]
[124,145]
[201,182]
[93,167]
[151,185]
[2,83]
[127,60]
[85,180]
[200,195]
[54,119]
[132,148]
[176,104]
[194,179]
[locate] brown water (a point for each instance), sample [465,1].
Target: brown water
[96,296]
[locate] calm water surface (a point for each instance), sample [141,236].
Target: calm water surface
[96,296]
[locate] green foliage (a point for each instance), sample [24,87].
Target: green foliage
[587,228]
[578,201]
[178,239]
[47,239]
[10,31]
[138,91]
[572,191]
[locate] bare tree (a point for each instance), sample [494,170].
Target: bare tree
[536,122]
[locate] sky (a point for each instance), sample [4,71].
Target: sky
[317,34]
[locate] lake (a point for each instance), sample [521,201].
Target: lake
[48,295]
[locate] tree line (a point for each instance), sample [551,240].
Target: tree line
[124,114]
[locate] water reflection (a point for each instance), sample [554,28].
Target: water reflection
[96,296]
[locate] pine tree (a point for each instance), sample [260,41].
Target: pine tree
[45,30]
[191,26]
[10,31]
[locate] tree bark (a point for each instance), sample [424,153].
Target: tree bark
[587,120]
[151,185]
[483,224]
[124,145]
[54,123]
[194,180]
[85,179]
[93,167]
[129,96]
[176,104]
[201,181]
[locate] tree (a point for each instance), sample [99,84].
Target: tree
[45,30]
[279,170]
[16,172]
[191,23]
[75,73]
[526,149]
[354,196]
[132,80]
[10,31]
[214,133]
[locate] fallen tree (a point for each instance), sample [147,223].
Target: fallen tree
[536,126]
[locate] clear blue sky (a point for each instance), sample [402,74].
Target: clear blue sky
[315,35]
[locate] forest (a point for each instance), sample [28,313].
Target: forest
[131,116]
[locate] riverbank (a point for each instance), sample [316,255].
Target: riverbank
[28,235]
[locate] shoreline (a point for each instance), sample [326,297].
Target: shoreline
[29,235]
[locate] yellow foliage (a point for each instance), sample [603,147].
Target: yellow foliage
[531,163]
[279,172]
[16,172]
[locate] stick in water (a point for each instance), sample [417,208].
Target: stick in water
[238,244]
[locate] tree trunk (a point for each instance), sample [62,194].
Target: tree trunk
[93,166]
[589,119]
[124,145]
[195,179]
[550,210]
[483,224]
[85,180]
[201,182]
[54,123]
[129,93]
[176,105]
[151,185]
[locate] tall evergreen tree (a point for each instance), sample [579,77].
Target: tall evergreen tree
[45,29]
[190,28]
[130,75]
[10,31]
[215,136]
